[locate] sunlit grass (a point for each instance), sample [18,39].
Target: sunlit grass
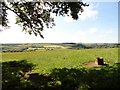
[47,60]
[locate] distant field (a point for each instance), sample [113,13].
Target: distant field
[49,59]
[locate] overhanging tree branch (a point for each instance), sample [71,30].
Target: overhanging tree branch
[34,16]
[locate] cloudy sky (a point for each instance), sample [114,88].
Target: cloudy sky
[97,24]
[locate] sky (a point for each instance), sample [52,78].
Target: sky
[97,24]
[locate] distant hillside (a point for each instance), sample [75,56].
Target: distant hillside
[90,45]
[51,46]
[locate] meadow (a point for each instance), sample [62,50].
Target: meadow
[59,69]
[46,60]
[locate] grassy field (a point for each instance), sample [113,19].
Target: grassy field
[49,59]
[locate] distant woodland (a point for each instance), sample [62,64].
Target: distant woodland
[52,46]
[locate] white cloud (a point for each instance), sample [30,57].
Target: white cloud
[92,35]
[68,19]
[95,35]
[89,12]
[91,31]
[107,36]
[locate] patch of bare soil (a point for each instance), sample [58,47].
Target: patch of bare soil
[93,64]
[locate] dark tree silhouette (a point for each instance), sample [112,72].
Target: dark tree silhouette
[34,16]
[18,75]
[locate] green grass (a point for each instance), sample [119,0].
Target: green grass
[47,60]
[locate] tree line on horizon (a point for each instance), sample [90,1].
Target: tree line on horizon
[34,47]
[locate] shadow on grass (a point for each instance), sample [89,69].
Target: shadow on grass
[16,75]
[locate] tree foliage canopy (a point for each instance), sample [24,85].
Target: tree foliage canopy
[34,16]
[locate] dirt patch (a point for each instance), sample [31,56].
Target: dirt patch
[93,64]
